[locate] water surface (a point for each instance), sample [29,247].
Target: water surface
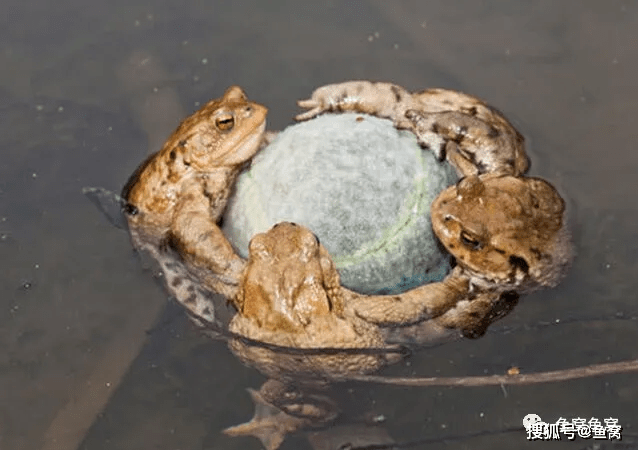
[87,88]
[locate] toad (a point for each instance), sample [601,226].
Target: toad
[291,298]
[473,136]
[174,200]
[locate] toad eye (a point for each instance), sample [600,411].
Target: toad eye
[470,242]
[225,122]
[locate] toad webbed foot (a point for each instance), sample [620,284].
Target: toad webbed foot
[281,409]
[315,407]
[269,424]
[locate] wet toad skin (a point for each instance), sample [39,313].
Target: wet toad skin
[507,233]
[175,198]
[291,297]
[472,135]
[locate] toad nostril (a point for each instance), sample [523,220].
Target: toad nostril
[447,218]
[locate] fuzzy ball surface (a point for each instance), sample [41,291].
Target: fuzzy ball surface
[362,186]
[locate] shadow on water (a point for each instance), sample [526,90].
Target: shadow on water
[76,302]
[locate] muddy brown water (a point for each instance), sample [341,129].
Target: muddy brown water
[95,356]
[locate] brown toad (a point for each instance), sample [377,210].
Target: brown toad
[508,236]
[474,137]
[505,232]
[291,297]
[175,198]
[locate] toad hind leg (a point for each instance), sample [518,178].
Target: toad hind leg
[281,409]
[380,99]
[269,424]
[315,407]
[422,303]
[472,145]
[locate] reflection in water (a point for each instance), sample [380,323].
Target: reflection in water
[71,422]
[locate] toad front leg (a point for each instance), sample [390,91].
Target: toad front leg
[473,316]
[420,315]
[419,304]
[198,240]
[385,100]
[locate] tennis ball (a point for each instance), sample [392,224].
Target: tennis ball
[362,186]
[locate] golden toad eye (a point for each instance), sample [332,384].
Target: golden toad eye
[225,122]
[470,242]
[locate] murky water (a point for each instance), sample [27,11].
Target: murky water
[76,87]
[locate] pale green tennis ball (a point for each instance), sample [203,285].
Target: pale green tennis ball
[362,186]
